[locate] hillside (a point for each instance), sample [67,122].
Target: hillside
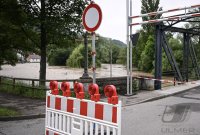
[118,43]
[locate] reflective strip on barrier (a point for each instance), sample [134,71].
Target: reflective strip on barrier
[106,112]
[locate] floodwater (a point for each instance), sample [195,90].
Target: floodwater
[31,70]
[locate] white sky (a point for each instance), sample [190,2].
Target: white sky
[114,15]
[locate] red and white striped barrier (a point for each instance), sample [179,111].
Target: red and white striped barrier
[166,81]
[166,19]
[77,116]
[166,11]
[176,17]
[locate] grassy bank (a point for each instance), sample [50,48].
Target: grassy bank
[8,112]
[22,90]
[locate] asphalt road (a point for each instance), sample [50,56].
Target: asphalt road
[175,115]
[23,127]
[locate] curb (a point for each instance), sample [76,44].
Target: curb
[160,97]
[22,117]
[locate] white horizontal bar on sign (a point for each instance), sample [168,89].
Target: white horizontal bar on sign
[98,121]
[165,19]
[166,11]
[76,123]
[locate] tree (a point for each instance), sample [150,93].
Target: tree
[139,48]
[52,21]
[76,59]
[195,25]
[103,48]
[147,31]
[13,39]
[147,56]
[115,54]
[177,50]
[122,56]
[58,56]
[149,6]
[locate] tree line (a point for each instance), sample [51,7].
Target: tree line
[74,57]
[50,28]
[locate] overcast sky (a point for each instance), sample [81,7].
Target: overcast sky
[114,15]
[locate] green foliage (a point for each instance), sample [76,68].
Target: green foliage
[139,48]
[76,59]
[12,37]
[177,50]
[147,7]
[22,89]
[147,56]
[58,56]
[103,48]
[122,56]
[115,54]
[30,25]
[62,19]
[4,111]
[143,53]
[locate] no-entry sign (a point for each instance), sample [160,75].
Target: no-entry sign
[92,17]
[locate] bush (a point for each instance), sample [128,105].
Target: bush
[76,59]
[58,57]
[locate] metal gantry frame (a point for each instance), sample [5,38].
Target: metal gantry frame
[161,41]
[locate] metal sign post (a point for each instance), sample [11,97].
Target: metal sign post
[127,41]
[93,57]
[129,47]
[92,17]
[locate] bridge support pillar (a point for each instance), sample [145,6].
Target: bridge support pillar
[186,39]
[158,57]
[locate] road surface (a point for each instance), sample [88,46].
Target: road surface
[175,115]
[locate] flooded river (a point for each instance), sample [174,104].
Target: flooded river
[31,70]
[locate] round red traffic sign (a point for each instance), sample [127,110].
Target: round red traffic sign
[92,17]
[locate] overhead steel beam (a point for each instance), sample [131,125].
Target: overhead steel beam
[180,30]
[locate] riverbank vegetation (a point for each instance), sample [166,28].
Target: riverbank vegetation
[22,89]
[4,111]
[58,36]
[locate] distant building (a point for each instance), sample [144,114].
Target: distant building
[20,58]
[33,58]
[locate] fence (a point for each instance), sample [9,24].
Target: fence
[77,116]
[139,83]
[28,83]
